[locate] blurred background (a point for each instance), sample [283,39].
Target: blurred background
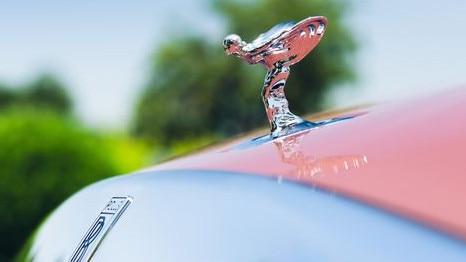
[92,89]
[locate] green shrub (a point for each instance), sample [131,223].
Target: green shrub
[128,153]
[44,158]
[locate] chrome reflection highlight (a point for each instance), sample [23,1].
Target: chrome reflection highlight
[307,166]
[277,49]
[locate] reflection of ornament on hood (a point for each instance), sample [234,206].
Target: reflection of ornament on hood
[277,49]
[290,151]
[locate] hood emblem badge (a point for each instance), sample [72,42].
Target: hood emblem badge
[277,49]
[99,229]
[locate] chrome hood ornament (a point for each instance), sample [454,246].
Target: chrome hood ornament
[277,49]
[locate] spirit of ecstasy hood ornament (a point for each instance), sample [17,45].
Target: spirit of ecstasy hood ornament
[277,49]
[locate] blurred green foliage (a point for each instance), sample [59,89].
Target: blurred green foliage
[44,92]
[196,90]
[126,154]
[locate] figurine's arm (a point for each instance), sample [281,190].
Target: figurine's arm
[233,45]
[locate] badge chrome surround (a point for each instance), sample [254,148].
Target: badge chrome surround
[277,49]
[100,227]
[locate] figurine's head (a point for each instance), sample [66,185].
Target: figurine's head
[233,44]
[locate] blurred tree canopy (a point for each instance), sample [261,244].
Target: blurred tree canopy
[43,92]
[196,90]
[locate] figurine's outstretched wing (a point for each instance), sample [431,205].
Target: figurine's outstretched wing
[286,43]
[302,38]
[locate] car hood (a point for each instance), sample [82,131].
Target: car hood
[405,156]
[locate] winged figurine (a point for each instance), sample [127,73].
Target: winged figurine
[277,49]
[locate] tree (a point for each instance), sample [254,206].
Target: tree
[195,90]
[47,91]
[7,97]
[43,92]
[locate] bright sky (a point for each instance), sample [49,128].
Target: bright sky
[100,49]
[406,48]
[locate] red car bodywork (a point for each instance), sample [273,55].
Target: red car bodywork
[407,157]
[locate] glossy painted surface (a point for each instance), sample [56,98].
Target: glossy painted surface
[407,157]
[179,216]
